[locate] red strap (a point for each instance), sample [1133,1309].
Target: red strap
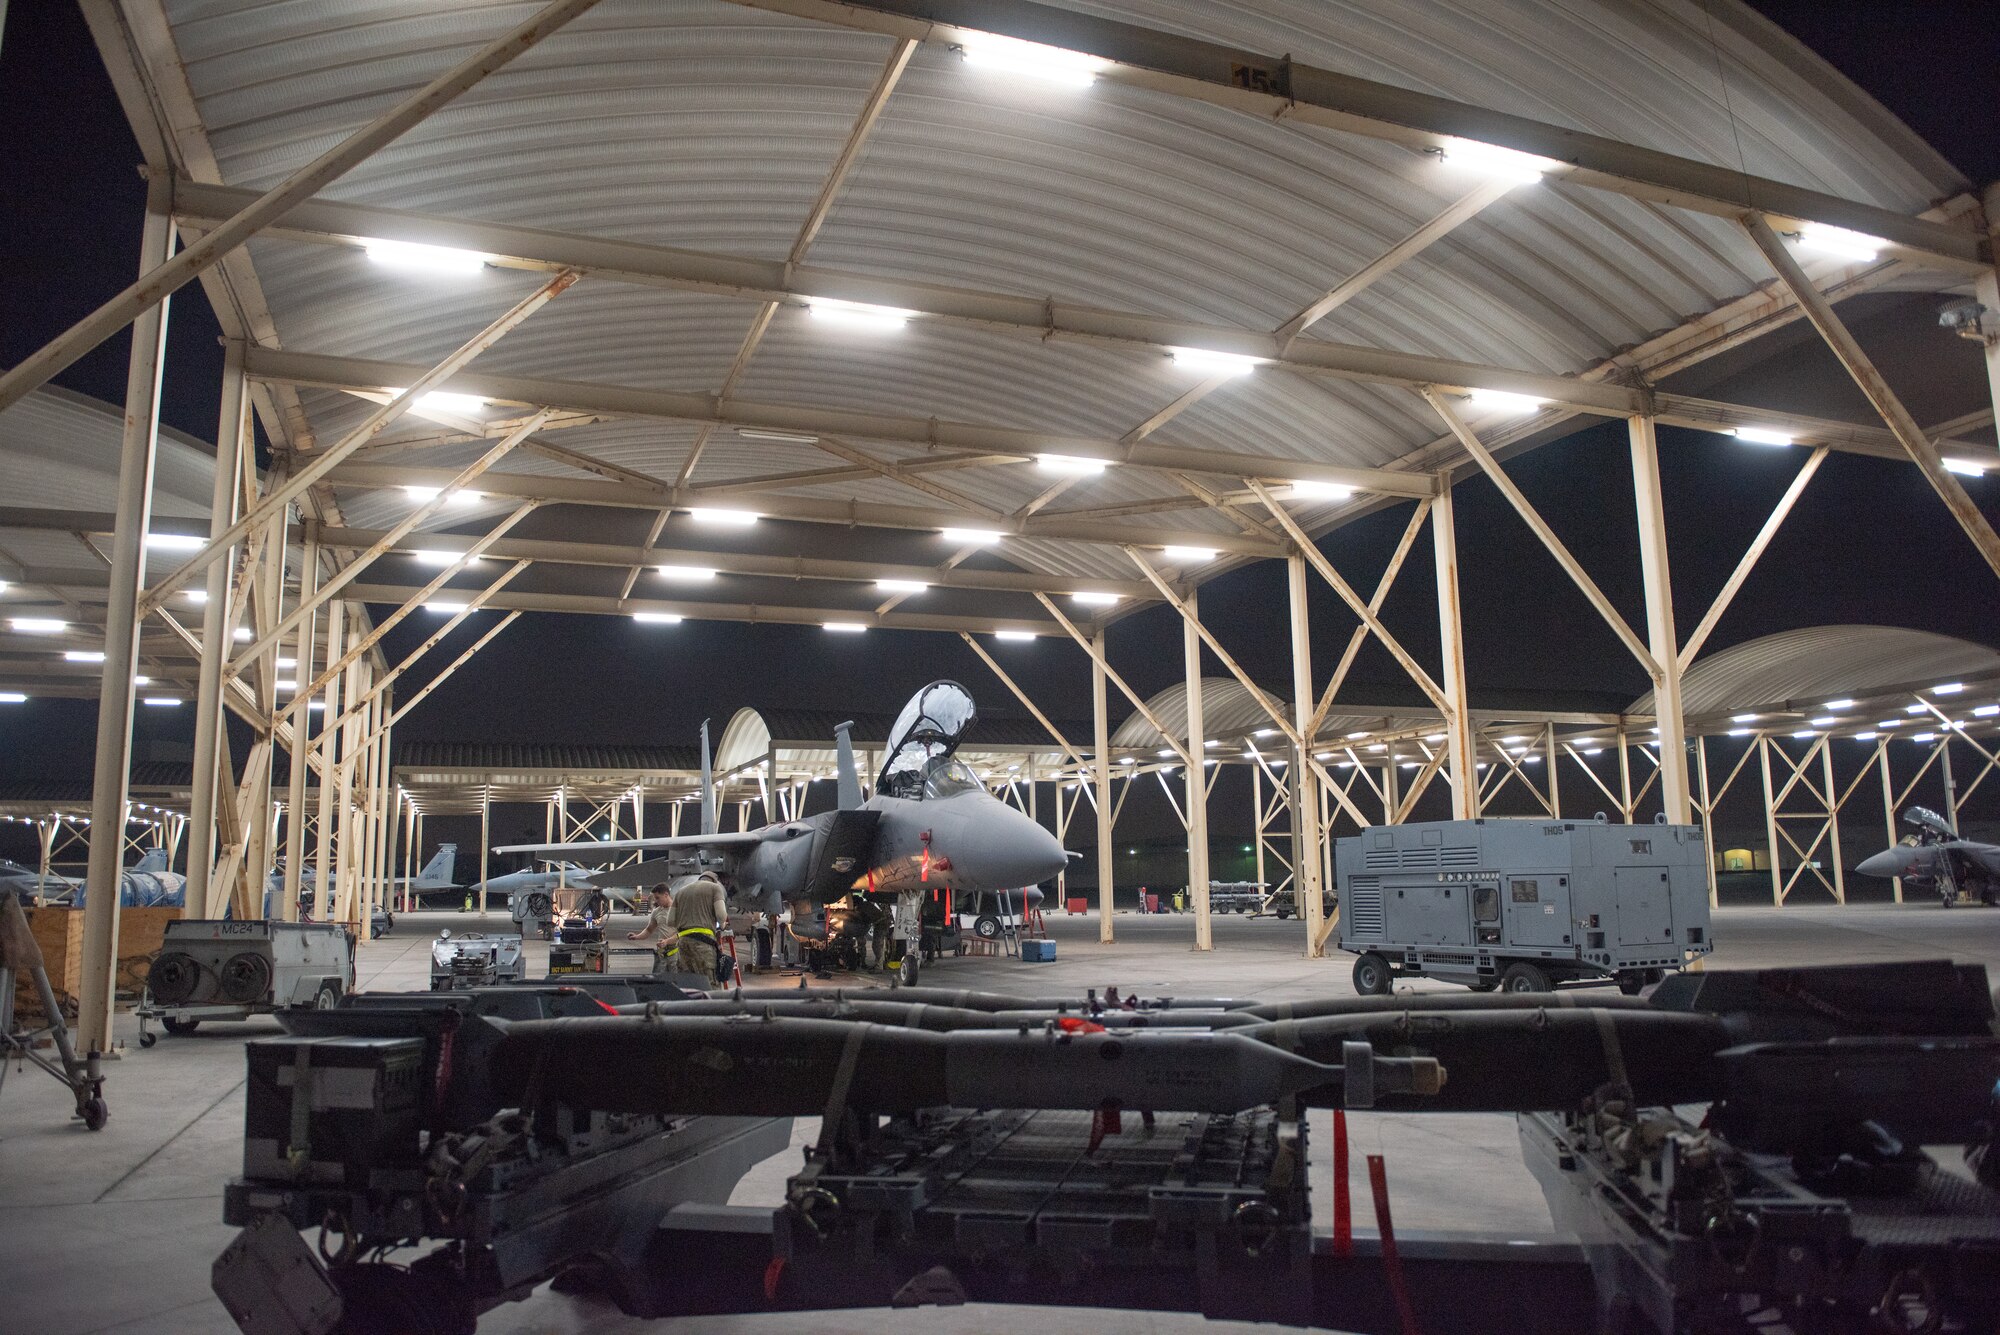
[1392,1264]
[1104,1122]
[1343,1205]
[771,1274]
[1075,1024]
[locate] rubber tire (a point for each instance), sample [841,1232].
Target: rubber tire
[95,1114]
[1284,914]
[147,1038]
[1372,976]
[986,927]
[178,1027]
[1630,984]
[908,971]
[1525,978]
[327,997]
[1483,987]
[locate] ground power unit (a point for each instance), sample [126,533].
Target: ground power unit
[1522,904]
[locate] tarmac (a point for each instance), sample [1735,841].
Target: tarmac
[115,1231]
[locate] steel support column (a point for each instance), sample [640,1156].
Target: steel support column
[1660,632]
[295,789]
[1100,780]
[232,428]
[329,737]
[109,794]
[1460,738]
[1197,787]
[1306,858]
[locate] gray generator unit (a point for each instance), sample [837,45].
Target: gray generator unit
[222,969]
[474,959]
[1522,904]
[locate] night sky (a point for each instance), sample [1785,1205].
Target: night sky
[1868,543]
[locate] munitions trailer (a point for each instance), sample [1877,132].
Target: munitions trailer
[1522,904]
[225,969]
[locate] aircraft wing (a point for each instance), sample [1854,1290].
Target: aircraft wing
[1986,855]
[743,840]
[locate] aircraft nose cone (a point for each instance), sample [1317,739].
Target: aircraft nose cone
[1889,862]
[1017,852]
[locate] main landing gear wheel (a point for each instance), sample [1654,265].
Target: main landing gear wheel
[986,926]
[907,971]
[1525,978]
[1372,977]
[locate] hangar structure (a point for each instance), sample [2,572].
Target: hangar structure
[984,317]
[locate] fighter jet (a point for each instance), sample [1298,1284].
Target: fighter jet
[1935,858]
[30,884]
[930,825]
[147,883]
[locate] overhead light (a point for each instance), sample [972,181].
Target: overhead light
[1739,732]
[1923,736]
[1744,718]
[1986,711]
[1357,736]
[1513,741]
[1015,635]
[1211,742]
[195,595]
[971,537]
[1826,722]
[1379,746]
[1070,465]
[1579,741]
[1531,760]
[845,627]
[658,618]
[1506,164]
[444,401]
[315,704]
[1865,736]
[1762,435]
[1303,490]
[161,701]
[1949,688]
[1916,709]
[84,655]
[175,542]
[12,698]
[1031,60]
[142,681]
[1265,732]
[427,259]
[424,494]
[1501,401]
[445,608]
[1094,599]
[1598,750]
[687,574]
[901,585]
[1322,755]
[1216,363]
[1964,467]
[731,518]
[1164,752]
[1838,704]
[1189,554]
[39,626]
[1127,760]
[782,437]
[288,662]
[285,684]
[241,635]
[858,314]
[433,557]
[1858,246]
[1889,723]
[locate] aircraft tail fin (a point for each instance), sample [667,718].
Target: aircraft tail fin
[155,860]
[709,824]
[441,866]
[850,778]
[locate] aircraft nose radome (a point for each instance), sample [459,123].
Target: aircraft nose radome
[1019,852]
[1889,862]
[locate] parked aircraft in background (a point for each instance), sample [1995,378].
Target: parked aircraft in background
[148,883]
[1961,871]
[30,883]
[930,825]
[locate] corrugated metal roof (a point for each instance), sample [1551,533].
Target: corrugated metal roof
[1227,710]
[495,757]
[704,125]
[1821,663]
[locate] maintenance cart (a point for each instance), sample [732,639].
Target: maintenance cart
[222,969]
[1522,904]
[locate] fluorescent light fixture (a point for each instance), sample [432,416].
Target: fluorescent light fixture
[971,537]
[1435,737]
[287,662]
[1095,599]
[1030,60]
[1216,363]
[1508,164]
[433,557]
[687,574]
[445,608]
[658,618]
[84,655]
[1739,732]
[1598,750]
[427,259]
[423,493]
[1211,742]
[315,704]
[241,635]
[1965,467]
[1825,722]
[1070,465]
[174,542]
[845,627]
[1923,736]
[285,684]
[12,698]
[1864,736]
[39,626]
[1265,732]
[1858,246]
[858,314]
[195,595]
[1379,746]
[1531,760]
[1322,755]
[1838,704]
[782,437]
[1744,718]
[1949,688]
[1189,554]
[1808,732]
[1889,723]
[1127,760]
[1164,751]
[901,585]
[142,681]
[1513,741]
[1015,635]
[162,701]
[1762,435]
[731,518]
[1302,490]
[1501,401]
[1357,736]
[1986,711]
[444,401]
[1916,709]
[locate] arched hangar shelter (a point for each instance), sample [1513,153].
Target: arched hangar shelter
[992,318]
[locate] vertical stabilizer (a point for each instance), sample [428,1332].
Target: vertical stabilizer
[155,860]
[708,820]
[850,778]
[438,871]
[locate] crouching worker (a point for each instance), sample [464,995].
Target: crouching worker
[697,912]
[660,927]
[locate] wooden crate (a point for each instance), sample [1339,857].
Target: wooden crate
[59,933]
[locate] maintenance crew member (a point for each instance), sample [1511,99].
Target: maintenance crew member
[697,911]
[661,923]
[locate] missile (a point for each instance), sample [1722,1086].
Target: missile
[993,1001]
[1314,1007]
[939,1019]
[756,1067]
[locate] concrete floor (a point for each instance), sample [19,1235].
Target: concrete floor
[116,1231]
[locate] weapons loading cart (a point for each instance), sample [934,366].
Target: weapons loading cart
[221,969]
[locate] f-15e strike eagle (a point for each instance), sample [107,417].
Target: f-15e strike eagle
[1935,858]
[930,825]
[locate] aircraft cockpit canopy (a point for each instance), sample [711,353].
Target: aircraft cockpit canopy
[926,734]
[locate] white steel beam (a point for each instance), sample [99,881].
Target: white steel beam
[1461,740]
[1100,780]
[232,430]
[1195,772]
[1734,583]
[1308,854]
[1659,588]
